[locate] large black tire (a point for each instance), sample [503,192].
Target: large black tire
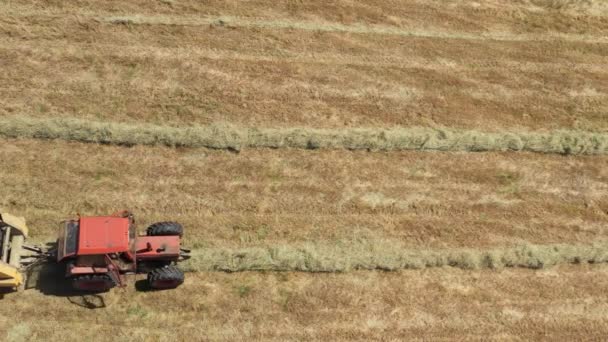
[93,282]
[165,229]
[149,266]
[168,277]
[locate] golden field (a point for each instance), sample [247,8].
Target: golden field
[285,196]
[523,67]
[485,65]
[563,303]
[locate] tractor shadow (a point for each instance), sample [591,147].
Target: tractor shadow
[49,278]
[4,291]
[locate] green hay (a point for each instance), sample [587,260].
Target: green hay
[225,136]
[344,256]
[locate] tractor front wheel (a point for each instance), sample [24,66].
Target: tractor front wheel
[165,229]
[93,282]
[168,277]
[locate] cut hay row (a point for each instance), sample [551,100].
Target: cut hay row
[225,136]
[324,26]
[388,256]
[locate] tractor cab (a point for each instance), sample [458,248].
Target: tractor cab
[103,235]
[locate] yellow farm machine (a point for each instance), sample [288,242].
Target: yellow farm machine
[13,233]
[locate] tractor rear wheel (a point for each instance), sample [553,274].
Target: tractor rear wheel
[168,277]
[93,282]
[165,229]
[148,266]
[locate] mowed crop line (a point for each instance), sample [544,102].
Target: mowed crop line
[226,136]
[324,26]
[17,11]
[363,254]
[84,49]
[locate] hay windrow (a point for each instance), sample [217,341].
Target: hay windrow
[344,256]
[226,136]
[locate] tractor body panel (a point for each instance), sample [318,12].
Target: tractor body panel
[158,248]
[103,235]
[72,269]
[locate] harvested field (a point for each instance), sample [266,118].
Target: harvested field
[273,197]
[319,155]
[563,303]
[522,65]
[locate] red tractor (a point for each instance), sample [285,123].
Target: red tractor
[100,251]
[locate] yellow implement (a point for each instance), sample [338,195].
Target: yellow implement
[13,233]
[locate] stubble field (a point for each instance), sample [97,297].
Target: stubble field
[348,240]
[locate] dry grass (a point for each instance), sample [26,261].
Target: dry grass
[324,26]
[562,303]
[287,196]
[573,7]
[224,136]
[157,75]
[66,62]
[363,254]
